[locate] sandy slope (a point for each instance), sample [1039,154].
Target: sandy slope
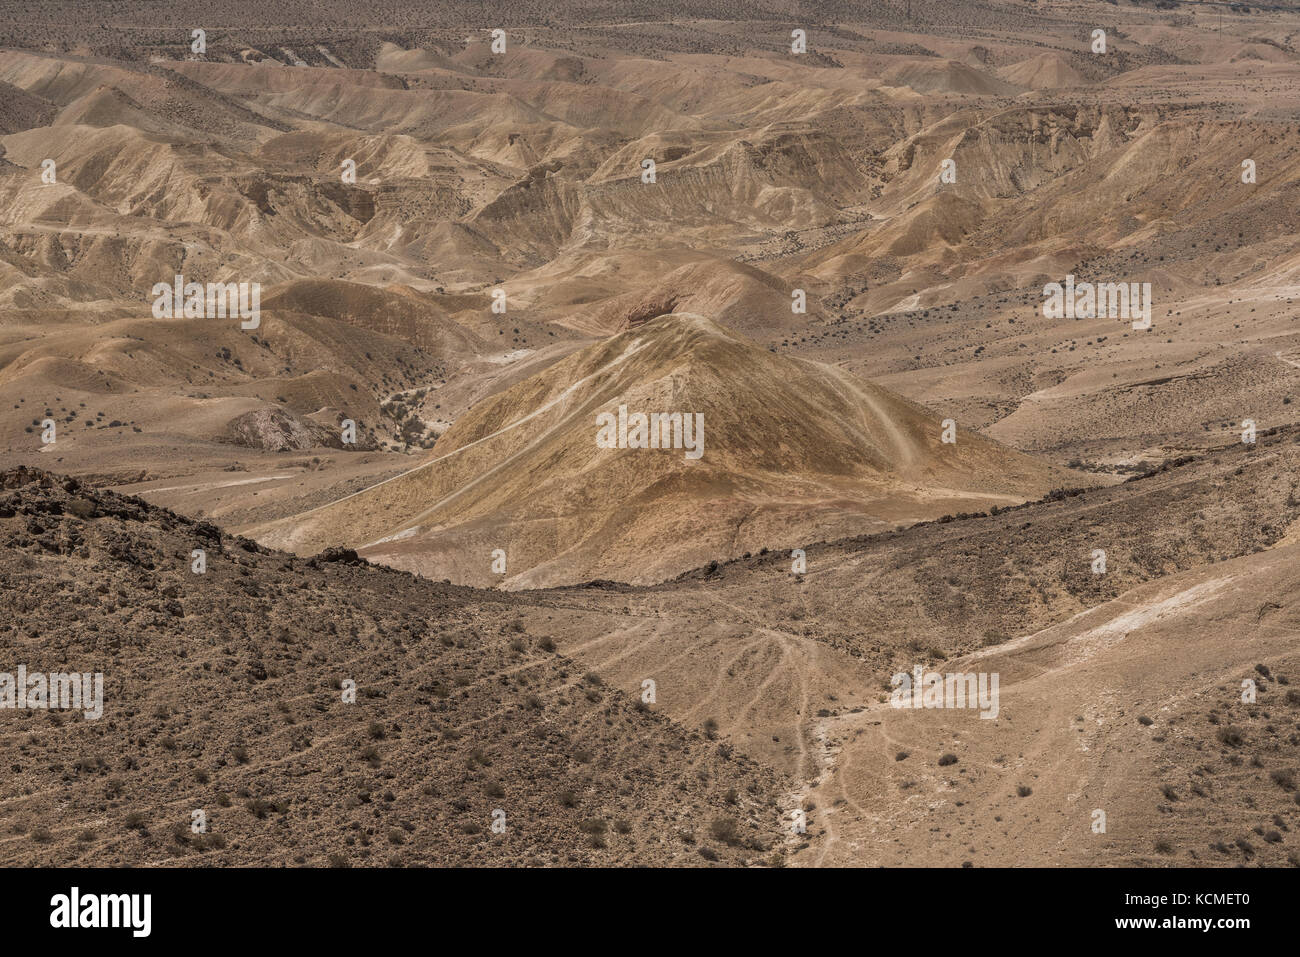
[788,446]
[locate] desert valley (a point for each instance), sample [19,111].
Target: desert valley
[553,436]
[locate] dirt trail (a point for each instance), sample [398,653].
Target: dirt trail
[1095,666]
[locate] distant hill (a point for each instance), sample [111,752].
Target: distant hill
[793,451]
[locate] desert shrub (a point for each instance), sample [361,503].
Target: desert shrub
[209,842]
[725,830]
[1231,736]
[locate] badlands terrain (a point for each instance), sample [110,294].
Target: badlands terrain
[821,231]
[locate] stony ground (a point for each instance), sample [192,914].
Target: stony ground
[223,693]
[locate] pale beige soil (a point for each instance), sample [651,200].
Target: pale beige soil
[520,173]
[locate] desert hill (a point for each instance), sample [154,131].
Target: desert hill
[228,686]
[521,173]
[1047,71]
[789,446]
[463,252]
[946,77]
[1119,691]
